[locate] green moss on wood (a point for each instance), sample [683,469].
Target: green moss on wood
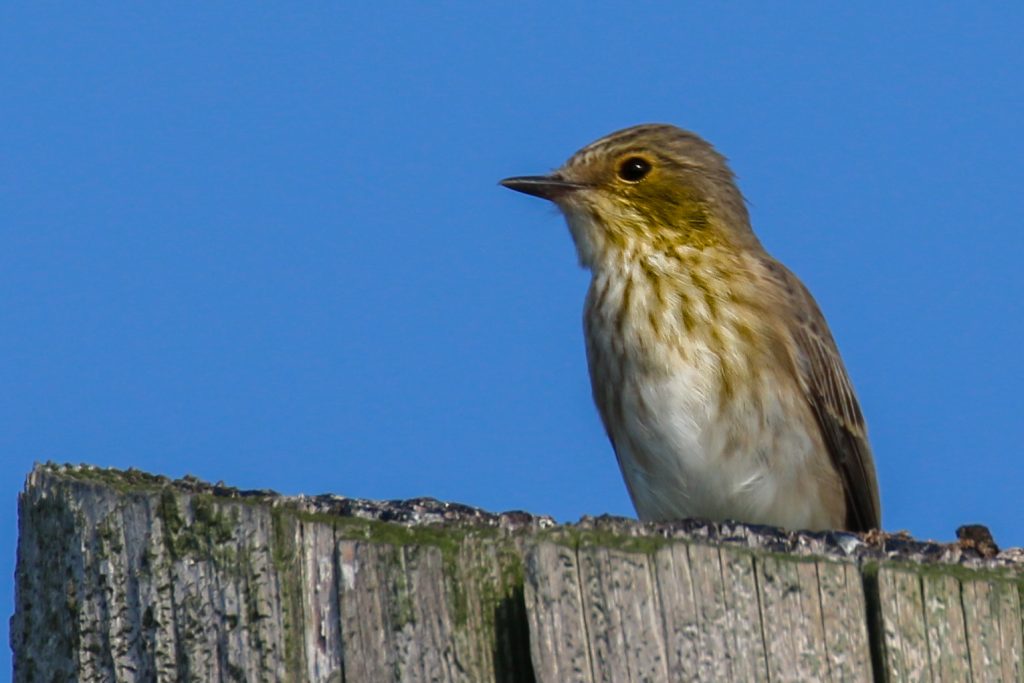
[285,557]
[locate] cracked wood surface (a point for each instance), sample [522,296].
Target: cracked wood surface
[125,576]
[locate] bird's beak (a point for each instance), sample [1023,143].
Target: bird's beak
[543,186]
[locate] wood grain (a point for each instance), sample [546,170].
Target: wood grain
[129,577]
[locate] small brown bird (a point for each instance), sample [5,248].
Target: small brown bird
[713,369]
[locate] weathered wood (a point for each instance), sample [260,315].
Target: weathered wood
[993,619]
[946,634]
[622,616]
[791,616]
[130,577]
[844,621]
[746,629]
[554,603]
[951,626]
[680,620]
[714,658]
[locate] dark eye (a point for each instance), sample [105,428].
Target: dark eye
[634,169]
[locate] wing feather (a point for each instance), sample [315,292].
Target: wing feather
[830,394]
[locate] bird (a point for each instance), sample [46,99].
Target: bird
[715,374]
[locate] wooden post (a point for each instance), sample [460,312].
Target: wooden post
[126,576]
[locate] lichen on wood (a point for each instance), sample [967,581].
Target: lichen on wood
[128,576]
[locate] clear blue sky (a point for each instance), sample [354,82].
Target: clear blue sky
[266,244]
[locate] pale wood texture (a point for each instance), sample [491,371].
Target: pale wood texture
[124,576]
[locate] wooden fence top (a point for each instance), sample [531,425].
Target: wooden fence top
[124,575]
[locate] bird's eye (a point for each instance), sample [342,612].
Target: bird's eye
[634,169]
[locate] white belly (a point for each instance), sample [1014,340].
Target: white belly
[686,453]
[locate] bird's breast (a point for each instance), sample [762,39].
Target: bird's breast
[701,424]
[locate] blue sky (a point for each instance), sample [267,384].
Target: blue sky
[266,245]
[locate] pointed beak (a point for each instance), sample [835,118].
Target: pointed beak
[543,186]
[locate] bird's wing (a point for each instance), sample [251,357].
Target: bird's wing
[830,394]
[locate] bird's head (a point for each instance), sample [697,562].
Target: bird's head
[649,187]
